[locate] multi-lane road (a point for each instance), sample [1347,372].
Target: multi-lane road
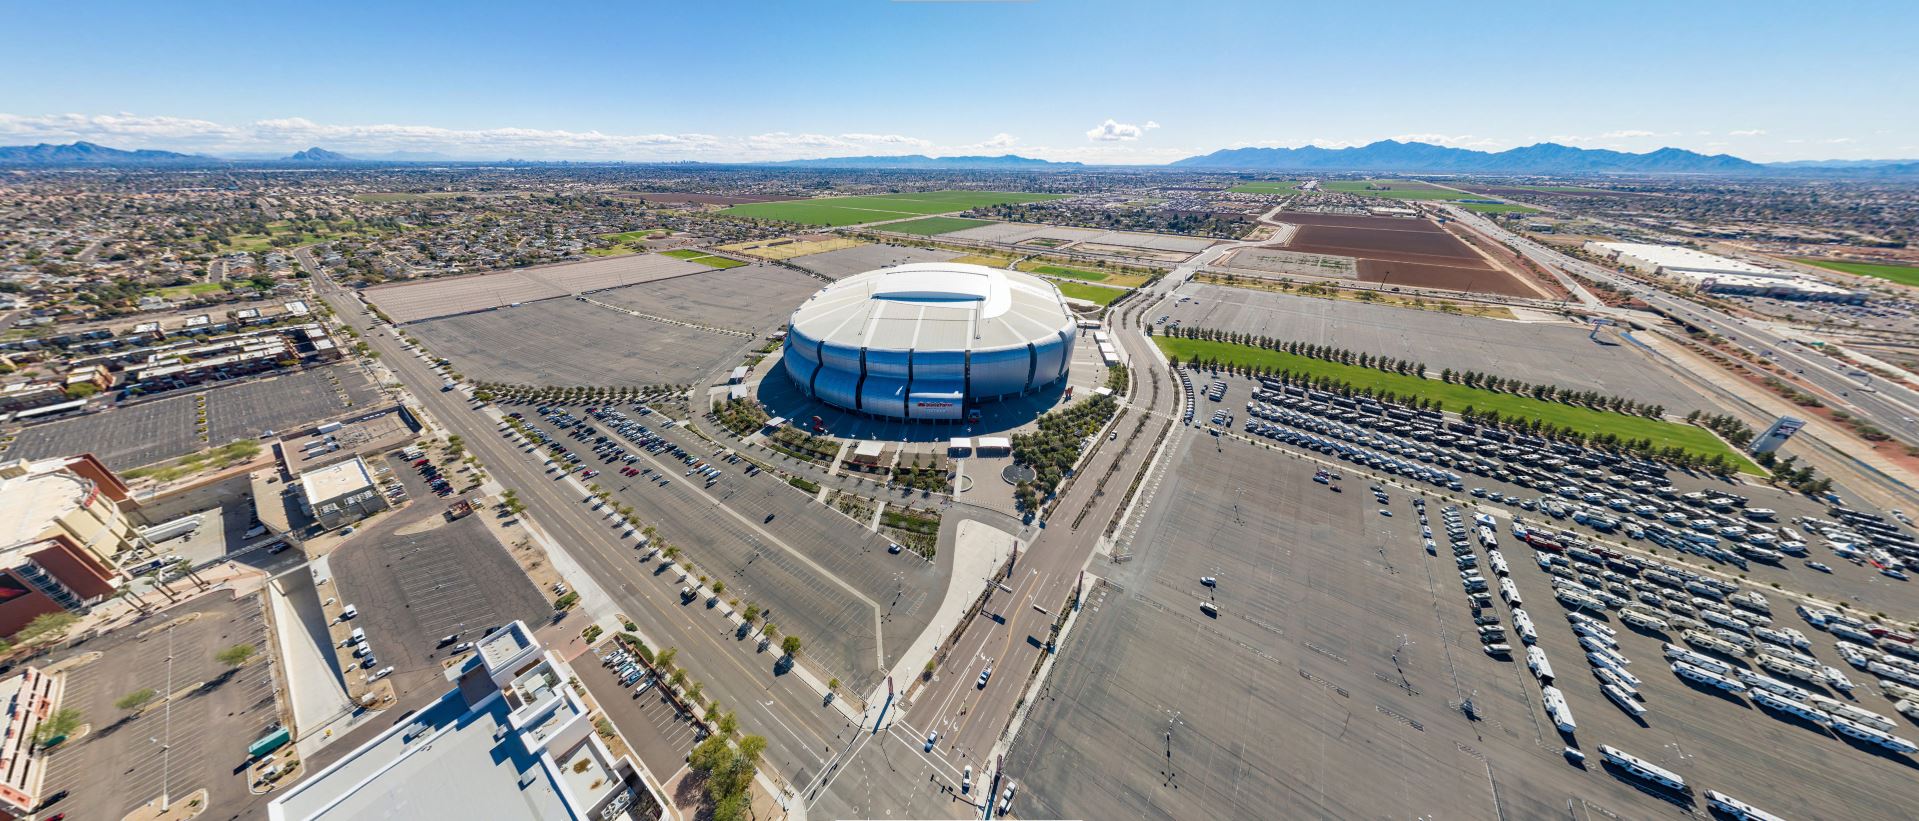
[802,732]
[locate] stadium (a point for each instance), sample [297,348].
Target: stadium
[930,340]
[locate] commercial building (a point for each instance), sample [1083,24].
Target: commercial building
[1716,274]
[512,740]
[929,340]
[63,523]
[30,697]
[341,493]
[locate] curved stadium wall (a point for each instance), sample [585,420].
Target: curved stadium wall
[929,341]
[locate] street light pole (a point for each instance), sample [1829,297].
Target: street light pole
[166,750]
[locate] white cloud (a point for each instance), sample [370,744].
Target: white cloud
[1114,131]
[1840,140]
[1454,141]
[1001,140]
[1748,132]
[1150,125]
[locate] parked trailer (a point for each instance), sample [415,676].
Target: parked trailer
[1644,769]
[1737,809]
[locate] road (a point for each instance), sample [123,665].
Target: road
[801,731]
[1012,630]
[1893,408]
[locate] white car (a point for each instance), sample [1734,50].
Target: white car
[932,738]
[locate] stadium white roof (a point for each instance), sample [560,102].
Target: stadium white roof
[935,305]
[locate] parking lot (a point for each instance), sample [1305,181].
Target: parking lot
[824,577]
[1855,582]
[215,714]
[1332,679]
[1876,315]
[849,261]
[141,434]
[124,437]
[756,298]
[660,734]
[416,578]
[569,342]
[1556,353]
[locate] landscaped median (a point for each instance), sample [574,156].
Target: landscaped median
[1454,397]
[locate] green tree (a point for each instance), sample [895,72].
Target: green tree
[47,627]
[237,655]
[61,723]
[136,699]
[790,645]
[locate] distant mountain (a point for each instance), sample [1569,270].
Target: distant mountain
[921,161]
[1840,163]
[318,154]
[86,153]
[1546,158]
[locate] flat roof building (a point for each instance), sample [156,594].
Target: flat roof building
[511,740]
[341,493]
[30,698]
[1716,274]
[63,527]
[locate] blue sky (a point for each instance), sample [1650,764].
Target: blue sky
[1061,79]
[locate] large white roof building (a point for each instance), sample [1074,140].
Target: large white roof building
[923,341]
[1711,272]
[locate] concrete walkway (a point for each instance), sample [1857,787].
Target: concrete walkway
[978,550]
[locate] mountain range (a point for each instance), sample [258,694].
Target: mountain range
[1382,156]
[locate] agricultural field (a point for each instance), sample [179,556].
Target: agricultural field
[1456,397]
[1402,251]
[1266,187]
[929,226]
[837,211]
[1097,294]
[1902,274]
[1393,189]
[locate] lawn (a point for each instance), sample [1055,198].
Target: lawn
[1119,279]
[1902,274]
[628,242]
[928,226]
[1395,190]
[837,211]
[1498,208]
[184,291]
[1098,294]
[1455,397]
[283,230]
[711,261]
[1266,187]
[684,253]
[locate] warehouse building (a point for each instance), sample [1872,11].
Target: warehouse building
[1720,275]
[929,340]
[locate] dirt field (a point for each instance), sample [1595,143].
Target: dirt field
[790,247]
[1415,253]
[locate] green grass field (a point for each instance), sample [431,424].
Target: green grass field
[837,211]
[1266,187]
[1396,190]
[717,262]
[628,242]
[1069,273]
[1902,274]
[1498,208]
[1455,397]
[929,226]
[684,253]
[184,291]
[1097,294]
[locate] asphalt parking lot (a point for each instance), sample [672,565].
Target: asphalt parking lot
[1862,586]
[148,432]
[124,437]
[756,297]
[1332,678]
[825,578]
[660,734]
[849,261]
[417,578]
[215,715]
[569,342]
[1557,353]
[279,403]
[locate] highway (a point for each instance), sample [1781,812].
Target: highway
[1893,408]
[800,729]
